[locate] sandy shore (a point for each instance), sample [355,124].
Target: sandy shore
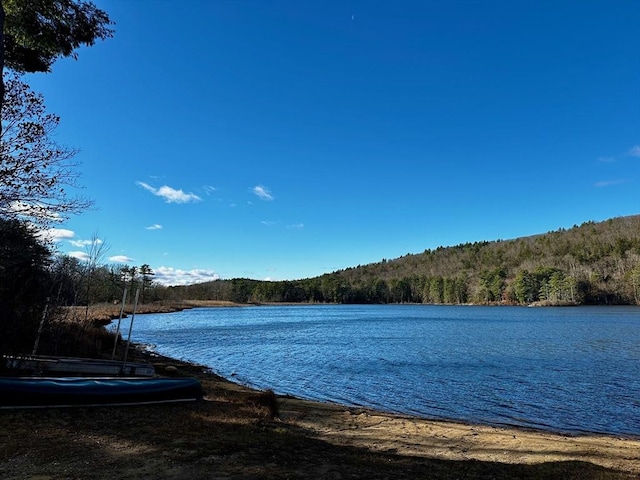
[456,441]
[405,435]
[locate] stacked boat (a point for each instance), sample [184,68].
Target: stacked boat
[44,365]
[68,381]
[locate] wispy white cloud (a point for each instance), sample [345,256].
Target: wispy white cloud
[82,256]
[262,192]
[210,190]
[121,259]
[271,275]
[85,243]
[632,152]
[170,195]
[609,183]
[56,234]
[175,276]
[296,226]
[155,226]
[268,223]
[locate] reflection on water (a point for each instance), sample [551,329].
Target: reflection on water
[566,369]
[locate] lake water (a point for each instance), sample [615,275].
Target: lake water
[564,369]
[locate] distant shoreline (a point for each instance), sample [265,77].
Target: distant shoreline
[104,314]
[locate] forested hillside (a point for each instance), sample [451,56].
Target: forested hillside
[594,263]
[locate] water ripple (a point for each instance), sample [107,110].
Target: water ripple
[570,370]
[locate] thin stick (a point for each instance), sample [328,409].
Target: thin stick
[115,342]
[133,316]
[44,316]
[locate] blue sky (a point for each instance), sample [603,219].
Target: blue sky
[287,139]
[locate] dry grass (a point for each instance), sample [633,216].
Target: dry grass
[103,313]
[211,303]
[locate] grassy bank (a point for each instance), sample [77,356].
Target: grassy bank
[104,313]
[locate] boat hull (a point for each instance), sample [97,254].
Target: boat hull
[33,392]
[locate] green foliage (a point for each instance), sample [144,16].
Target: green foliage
[550,285]
[145,282]
[24,286]
[491,285]
[37,32]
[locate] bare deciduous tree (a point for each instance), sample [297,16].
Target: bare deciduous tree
[35,171]
[95,250]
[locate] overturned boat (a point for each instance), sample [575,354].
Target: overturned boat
[34,392]
[44,365]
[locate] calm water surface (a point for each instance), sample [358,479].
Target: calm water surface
[563,369]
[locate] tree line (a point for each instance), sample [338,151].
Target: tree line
[591,264]
[594,264]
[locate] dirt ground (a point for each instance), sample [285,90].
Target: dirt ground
[232,434]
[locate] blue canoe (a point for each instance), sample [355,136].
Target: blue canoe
[31,392]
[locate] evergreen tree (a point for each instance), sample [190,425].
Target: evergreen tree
[35,33]
[24,285]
